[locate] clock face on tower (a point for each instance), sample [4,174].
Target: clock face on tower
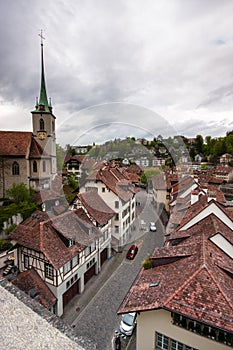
[41,135]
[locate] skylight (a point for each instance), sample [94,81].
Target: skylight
[154,284]
[223,244]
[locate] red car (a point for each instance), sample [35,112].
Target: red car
[132,252]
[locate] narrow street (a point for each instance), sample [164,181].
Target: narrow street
[98,321]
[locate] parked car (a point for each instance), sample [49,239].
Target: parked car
[132,252]
[128,323]
[153,226]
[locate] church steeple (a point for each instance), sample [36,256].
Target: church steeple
[44,123]
[42,105]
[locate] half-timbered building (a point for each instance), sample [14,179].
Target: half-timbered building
[64,250]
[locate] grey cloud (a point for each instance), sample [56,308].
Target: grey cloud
[150,54]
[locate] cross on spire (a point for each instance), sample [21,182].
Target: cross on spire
[41,36]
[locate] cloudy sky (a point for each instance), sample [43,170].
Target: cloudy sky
[119,68]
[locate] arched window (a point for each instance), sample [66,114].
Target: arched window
[41,124]
[15,168]
[35,166]
[44,166]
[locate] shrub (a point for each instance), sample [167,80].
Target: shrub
[147,263]
[4,244]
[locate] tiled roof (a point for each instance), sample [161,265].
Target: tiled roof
[47,235]
[29,280]
[115,180]
[96,207]
[193,278]
[78,159]
[36,151]
[159,182]
[45,195]
[15,143]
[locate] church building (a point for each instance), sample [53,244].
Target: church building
[30,157]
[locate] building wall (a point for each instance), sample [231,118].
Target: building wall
[110,199]
[150,322]
[61,282]
[160,197]
[7,179]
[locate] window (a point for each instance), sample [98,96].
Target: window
[90,248]
[103,189]
[71,242]
[105,235]
[116,204]
[44,166]
[161,341]
[15,168]
[117,217]
[67,267]
[48,271]
[26,261]
[175,345]
[35,166]
[41,124]
[165,343]
[75,260]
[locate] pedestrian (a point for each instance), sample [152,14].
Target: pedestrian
[117,341]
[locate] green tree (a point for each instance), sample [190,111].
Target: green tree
[219,147]
[148,174]
[199,144]
[72,181]
[229,143]
[60,157]
[20,193]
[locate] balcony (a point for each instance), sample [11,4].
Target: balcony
[203,329]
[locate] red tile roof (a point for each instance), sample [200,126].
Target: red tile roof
[115,180]
[36,151]
[194,278]
[15,143]
[30,281]
[46,235]
[96,207]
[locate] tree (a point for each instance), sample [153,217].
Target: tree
[20,193]
[229,143]
[148,174]
[199,144]
[60,157]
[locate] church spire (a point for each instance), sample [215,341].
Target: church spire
[42,105]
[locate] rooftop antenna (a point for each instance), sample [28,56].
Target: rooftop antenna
[41,37]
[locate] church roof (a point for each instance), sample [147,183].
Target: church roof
[15,143]
[36,150]
[43,105]
[20,144]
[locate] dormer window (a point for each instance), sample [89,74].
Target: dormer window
[71,242]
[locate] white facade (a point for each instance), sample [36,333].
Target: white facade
[125,211]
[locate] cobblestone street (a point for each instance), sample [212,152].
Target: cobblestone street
[93,314]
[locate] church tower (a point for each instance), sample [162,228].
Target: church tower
[43,121]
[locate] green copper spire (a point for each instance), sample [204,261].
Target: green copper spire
[43,105]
